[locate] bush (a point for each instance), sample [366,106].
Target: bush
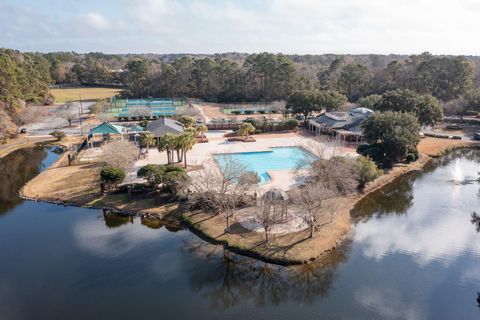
[59,135]
[112,176]
[152,173]
[168,176]
[261,111]
[249,112]
[412,155]
[362,148]
[143,124]
[252,121]
[292,124]
[249,177]
[374,153]
[273,111]
[367,170]
[236,112]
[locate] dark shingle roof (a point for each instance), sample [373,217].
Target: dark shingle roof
[350,121]
[163,126]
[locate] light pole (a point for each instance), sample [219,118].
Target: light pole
[80,112]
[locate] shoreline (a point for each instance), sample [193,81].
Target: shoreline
[33,141]
[210,230]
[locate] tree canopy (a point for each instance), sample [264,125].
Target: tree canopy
[425,107]
[395,133]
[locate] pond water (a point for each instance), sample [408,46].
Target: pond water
[414,254]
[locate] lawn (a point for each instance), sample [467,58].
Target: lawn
[86,93]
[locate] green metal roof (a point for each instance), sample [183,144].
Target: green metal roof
[106,128]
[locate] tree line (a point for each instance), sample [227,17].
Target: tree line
[234,77]
[23,78]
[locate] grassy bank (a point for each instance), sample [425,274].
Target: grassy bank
[63,95]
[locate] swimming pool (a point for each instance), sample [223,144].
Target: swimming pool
[280,158]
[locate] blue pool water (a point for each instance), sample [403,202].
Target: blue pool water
[282,158]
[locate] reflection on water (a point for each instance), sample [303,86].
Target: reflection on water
[394,199]
[16,169]
[231,280]
[435,223]
[475,220]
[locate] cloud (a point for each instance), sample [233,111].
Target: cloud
[207,26]
[96,21]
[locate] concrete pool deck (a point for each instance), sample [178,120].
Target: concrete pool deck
[283,179]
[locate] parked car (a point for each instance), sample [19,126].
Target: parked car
[476,136]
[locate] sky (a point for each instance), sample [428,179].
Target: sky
[209,26]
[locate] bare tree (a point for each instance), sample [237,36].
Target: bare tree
[311,202]
[105,117]
[267,215]
[29,114]
[140,112]
[219,187]
[7,126]
[68,113]
[337,174]
[454,107]
[121,154]
[324,147]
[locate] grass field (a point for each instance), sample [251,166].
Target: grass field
[87,93]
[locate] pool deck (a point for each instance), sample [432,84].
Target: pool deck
[283,179]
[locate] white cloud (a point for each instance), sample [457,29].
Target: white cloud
[96,21]
[290,26]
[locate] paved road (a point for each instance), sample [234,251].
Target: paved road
[46,124]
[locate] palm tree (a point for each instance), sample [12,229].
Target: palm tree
[201,129]
[146,140]
[187,121]
[167,143]
[187,141]
[177,145]
[246,129]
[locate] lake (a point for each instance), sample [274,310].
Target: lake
[414,254]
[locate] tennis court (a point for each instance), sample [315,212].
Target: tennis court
[156,107]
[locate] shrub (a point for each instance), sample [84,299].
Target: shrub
[374,153]
[249,112]
[261,111]
[152,173]
[367,171]
[112,176]
[412,155]
[173,177]
[59,135]
[167,175]
[273,111]
[249,177]
[143,124]
[236,112]
[292,124]
[252,121]
[362,148]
